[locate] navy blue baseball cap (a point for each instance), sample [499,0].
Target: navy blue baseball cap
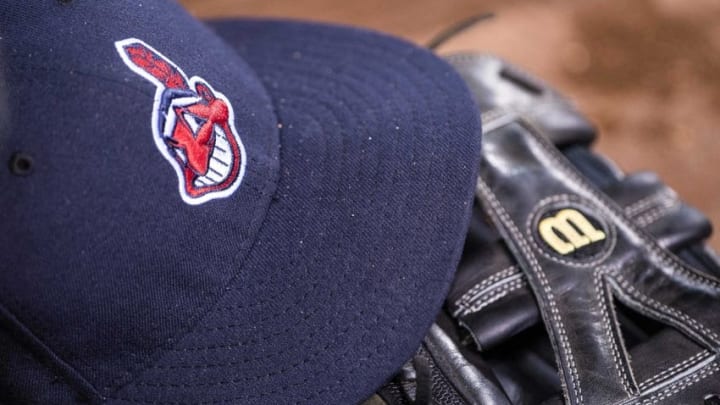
[272,217]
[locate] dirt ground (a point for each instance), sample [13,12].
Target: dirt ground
[647,72]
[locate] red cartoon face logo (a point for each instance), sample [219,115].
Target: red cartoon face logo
[193,126]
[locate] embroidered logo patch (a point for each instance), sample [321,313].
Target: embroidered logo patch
[192,124]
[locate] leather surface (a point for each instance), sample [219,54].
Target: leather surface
[554,316]
[526,175]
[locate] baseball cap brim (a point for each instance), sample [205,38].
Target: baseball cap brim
[379,149]
[307,273]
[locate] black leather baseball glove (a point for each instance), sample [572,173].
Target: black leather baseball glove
[579,283]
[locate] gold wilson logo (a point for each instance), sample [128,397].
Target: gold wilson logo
[568,230]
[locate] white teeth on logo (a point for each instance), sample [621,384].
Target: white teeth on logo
[221,161]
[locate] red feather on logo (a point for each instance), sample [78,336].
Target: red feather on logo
[156,65]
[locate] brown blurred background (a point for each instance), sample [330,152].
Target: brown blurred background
[647,72]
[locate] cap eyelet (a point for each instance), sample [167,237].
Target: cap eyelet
[21,164]
[64,2]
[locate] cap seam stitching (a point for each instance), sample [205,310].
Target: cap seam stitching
[44,355]
[270,187]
